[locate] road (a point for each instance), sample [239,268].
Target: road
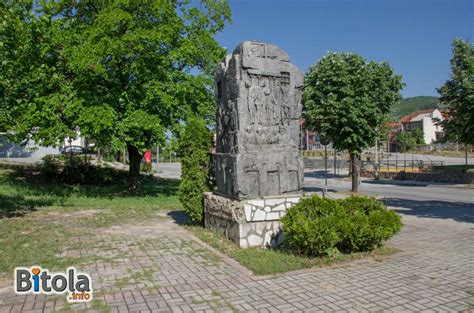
[314,181]
[417,199]
[398,193]
[168,170]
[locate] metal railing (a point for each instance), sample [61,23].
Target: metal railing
[414,166]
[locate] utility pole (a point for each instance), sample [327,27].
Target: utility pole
[307,140]
[376,158]
[465,153]
[325,169]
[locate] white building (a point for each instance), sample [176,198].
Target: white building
[75,141]
[31,149]
[427,120]
[27,150]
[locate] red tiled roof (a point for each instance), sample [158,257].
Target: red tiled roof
[411,116]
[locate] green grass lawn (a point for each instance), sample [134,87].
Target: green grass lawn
[40,219]
[273,261]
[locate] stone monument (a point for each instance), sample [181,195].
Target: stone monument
[259,173]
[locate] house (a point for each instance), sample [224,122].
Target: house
[427,121]
[28,149]
[78,140]
[33,150]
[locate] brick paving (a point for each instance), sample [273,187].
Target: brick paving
[160,267]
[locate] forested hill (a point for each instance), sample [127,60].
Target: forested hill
[409,105]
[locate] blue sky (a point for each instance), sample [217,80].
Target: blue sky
[414,36]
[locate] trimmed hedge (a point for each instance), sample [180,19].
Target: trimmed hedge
[319,226]
[195,144]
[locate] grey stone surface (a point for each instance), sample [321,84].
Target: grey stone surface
[258,94]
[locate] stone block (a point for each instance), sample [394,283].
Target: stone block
[257,162]
[273,216]
[259,202]
[293,200]
[280,207]
[243,223]
[274,202]
[258,215]
[258,95]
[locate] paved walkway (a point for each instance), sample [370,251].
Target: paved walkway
[160,267]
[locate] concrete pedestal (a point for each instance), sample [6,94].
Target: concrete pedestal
[249,223]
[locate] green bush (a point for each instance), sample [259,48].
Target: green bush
[76,170]
[367,204]
[146,167]
[194,145]
[318,227]
[50,167]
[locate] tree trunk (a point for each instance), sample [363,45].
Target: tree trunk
[135,158]
[355,164]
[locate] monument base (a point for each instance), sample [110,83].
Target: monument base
[249,223]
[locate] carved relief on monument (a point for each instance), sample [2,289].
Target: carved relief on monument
[258,95]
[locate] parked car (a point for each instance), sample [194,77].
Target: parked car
[76,150]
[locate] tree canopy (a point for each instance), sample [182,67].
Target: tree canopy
[458,94]
[409,139]
[124,72]
[346,99]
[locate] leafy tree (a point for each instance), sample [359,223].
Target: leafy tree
[171,147]
[418,136]
[122,71]
[195,144]
[35,97]
[408,139]
[346,99]
[458,95]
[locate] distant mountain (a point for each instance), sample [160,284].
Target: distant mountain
[409,105]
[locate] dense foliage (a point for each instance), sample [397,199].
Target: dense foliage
[458,95]
[320,226]
[195,144]
[408,139]
[122,71]
[410,105]
[346,99]
[71,169]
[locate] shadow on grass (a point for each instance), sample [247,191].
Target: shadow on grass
[34,184]
[18,205]
[23,191]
